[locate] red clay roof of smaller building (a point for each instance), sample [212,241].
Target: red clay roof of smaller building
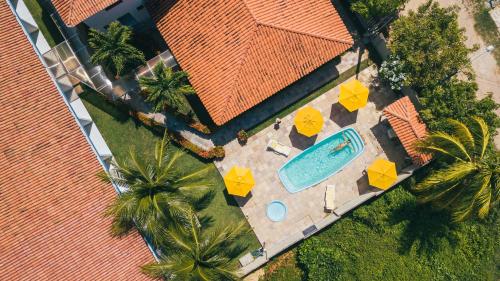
[408,126]
[240,52]
[51,202]
[73,12]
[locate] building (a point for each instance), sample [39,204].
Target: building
[51,202]
[237,53]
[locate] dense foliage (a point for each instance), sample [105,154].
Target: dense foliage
[112,49]
[456,99]
[394,238]
[429,55]
[469,183]
[372,9]
[430,45]
[166,88]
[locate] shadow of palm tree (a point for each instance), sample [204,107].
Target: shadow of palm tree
[424,228]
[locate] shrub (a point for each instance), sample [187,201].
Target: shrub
[392,72]
[321,263]
[431,46]
[242,136]
[218,152]
[198,126]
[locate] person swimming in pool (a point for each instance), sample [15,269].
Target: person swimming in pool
[340,146]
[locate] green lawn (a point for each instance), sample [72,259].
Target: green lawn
[325,88]
[393,238]
[44,22]
[123,132]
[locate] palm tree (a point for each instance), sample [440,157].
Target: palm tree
[196,254]
[468,184]
[166,88]
[113,50]
[158,193]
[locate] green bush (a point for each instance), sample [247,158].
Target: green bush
[322,263]
[394,238]
[373,9]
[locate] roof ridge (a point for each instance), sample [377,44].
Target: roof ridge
[406,118]
[71,8]
[257,25]
[249,10]
[304,33]
[240,64]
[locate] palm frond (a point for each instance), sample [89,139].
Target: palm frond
[462,132]
[444,144]
[480,131]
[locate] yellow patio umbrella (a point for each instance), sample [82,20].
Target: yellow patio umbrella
[239,181]
[353,95]
[308,121]
[382,173]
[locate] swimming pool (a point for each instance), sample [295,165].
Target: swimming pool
[317,163]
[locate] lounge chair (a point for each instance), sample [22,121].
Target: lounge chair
[278,147]
[329,198]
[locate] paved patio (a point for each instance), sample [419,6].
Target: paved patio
[306,208]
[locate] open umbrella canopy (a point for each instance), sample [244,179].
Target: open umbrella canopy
[239,181]
[382,174]
[308,121]
[353,95]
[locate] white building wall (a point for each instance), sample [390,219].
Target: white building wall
[103,18]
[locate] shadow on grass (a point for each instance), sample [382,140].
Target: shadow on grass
[425,228]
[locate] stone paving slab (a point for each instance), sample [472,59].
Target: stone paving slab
[306,208]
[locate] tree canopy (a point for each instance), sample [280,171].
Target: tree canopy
[430,45]
[112,49]
[372,9]
[166,88]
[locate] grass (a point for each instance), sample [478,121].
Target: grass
[325,88]
[44,22]
[123,132]
[486,28]
[393,238]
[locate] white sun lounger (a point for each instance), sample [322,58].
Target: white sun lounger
[279,148]
[329,198]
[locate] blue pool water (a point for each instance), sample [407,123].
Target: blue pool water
[318,162]
[276,211]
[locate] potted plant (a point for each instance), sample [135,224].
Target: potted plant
[242,136]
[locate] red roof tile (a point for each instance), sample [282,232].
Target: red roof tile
[240,52]
[51,202]
[73,12]
[408,126]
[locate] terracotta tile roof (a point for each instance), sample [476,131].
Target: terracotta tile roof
[408,126]
[240,52]
[51,203]
[73,12]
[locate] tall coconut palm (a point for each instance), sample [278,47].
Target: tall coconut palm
[194,254]
[159,192]
[112,49]
[166,88]
[469,183]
